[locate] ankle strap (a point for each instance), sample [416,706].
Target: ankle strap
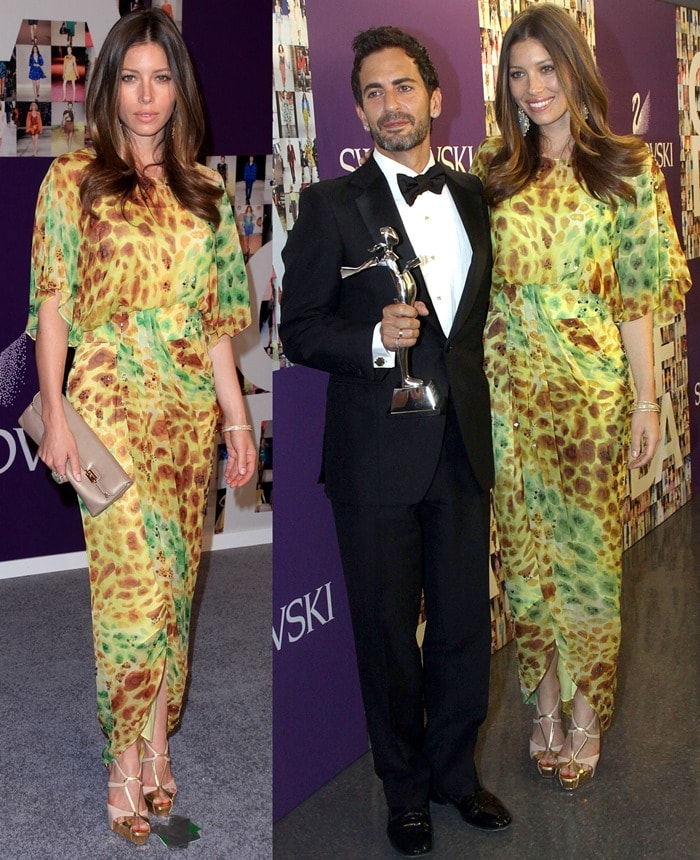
[550,715]
[155,755]
[586,731]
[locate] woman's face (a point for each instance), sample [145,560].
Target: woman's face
[535,87]
[146,91]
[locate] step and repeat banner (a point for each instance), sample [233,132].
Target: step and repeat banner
[47,50]
[648,52]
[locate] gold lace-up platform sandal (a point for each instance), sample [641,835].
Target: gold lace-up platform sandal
[584,767]
[130,817]
[159,807]
[538,751]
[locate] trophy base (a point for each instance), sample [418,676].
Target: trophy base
[425,399]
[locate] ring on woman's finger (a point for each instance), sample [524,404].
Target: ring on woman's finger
[59,479]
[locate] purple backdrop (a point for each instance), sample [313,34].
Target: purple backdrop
[318,721]
[649,31]
[237,99]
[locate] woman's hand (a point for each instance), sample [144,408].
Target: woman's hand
[240,445]
[58,449]
[638,340]
[242,457]
[646,435]
[58,444]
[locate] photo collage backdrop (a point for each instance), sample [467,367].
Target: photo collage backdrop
[42,89]
[688,62]
[294,152]
[248,184]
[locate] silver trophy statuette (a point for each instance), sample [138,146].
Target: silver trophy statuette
[414,395]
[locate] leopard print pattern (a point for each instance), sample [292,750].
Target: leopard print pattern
[568,269]
[145,295]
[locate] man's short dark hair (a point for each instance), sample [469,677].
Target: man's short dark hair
[376,39]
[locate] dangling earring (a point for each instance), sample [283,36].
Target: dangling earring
[523,121]
[584,111]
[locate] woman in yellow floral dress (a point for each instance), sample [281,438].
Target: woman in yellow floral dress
[136,264]
[586,259]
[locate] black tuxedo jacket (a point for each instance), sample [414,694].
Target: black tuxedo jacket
[371,457]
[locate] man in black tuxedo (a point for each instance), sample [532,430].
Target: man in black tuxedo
[410,493]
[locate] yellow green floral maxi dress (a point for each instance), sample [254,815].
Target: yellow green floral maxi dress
[145,296]
[568,270]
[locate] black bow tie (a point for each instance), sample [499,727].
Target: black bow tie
[411,186]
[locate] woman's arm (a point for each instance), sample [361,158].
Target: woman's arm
[58,444]
[240,445]
[637,337]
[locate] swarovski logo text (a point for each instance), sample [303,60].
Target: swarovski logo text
[303,615]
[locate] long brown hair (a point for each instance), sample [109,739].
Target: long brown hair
[113,171]
[600,158]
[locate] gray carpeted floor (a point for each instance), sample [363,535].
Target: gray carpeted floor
[52,782]
[643,802]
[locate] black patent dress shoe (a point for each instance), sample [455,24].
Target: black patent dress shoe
[410,831]
[481,809]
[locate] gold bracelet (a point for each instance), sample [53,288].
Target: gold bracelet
[237,427]
[644,406]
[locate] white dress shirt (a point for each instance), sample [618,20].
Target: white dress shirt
[437,234]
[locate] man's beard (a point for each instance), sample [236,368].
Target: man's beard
[405,140]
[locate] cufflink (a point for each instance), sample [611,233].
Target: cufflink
[379,362]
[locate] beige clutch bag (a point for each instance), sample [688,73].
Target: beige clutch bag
[103,479]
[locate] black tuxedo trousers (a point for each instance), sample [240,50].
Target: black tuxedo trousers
[422,715]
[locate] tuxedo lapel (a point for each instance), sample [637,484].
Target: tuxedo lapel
[470,211]
[377,208]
